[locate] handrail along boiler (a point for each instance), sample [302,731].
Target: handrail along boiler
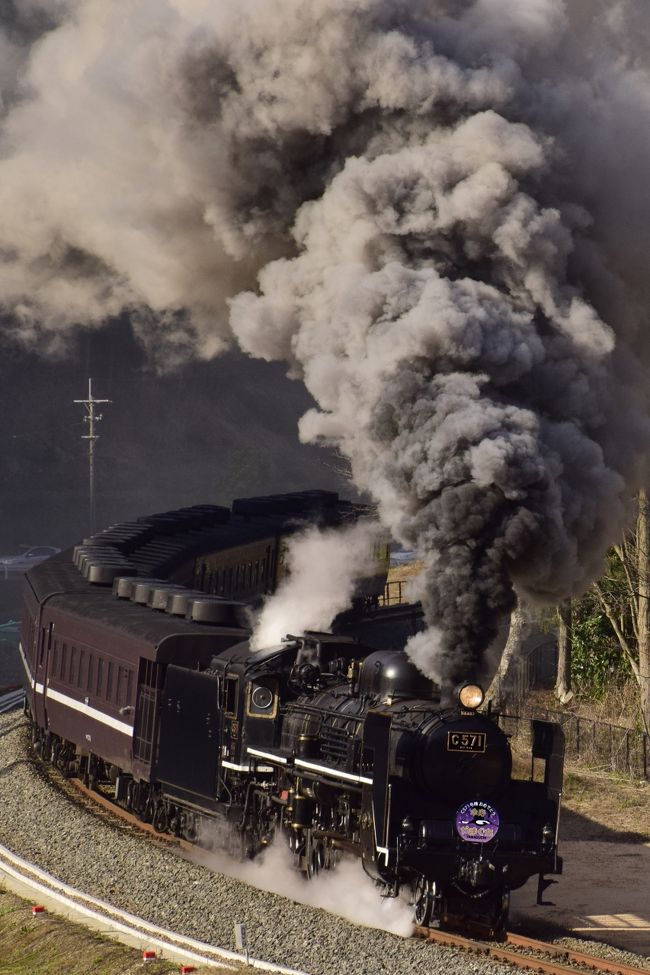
[137,677]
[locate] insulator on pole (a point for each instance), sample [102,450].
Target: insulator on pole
[91,418]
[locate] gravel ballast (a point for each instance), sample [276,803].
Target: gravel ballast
[111,861]
[114,863]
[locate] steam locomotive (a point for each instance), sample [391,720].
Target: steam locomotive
[135,679]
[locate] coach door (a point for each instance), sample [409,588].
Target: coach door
[146,716]
[42,653]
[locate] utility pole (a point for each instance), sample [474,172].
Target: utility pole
[91,418]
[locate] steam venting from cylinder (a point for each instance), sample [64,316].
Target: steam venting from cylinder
[435,211]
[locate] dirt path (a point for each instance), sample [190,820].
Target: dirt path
[603,894]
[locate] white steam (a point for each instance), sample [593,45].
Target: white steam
[345,890]
[324,568]
[439,209]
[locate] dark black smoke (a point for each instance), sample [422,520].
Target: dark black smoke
[439,210]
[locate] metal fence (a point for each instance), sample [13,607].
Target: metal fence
[535,669]
[394,593]
[599,744]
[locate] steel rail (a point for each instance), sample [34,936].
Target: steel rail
[572,955]
[494,950]
[497,952]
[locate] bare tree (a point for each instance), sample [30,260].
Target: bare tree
[563,690]
[624,597]
[504,680]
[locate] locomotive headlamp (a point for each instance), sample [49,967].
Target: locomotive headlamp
[470,696]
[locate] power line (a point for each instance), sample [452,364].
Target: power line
[91,418]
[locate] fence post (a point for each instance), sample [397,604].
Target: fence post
[594,743]
[645,756]
[611,746]
[577,737]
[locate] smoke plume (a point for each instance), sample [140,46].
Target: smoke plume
[345,890]
[324,567]
[435,211]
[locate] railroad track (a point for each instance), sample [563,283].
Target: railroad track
[518,950]
[11,699]
[531,954]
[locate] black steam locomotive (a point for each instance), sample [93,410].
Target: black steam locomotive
[135,678]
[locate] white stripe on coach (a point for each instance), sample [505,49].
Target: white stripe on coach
[26,666]
[94,713]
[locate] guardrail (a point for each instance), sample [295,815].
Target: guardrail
[26,879]
[394,593]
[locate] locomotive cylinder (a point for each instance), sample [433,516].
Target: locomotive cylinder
[303,812]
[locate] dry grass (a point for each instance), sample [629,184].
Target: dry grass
[402,573]
[619,705]
[620,804]
[596,804]
[48,945]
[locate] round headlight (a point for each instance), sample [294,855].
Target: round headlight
[470,696]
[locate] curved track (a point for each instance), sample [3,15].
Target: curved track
[530,954]
[518,950]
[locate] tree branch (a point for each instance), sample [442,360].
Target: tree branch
[620,635]
[624,558]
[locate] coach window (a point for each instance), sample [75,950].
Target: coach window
[89,682]
[72,676]
[100,677]
[109,683]
[64,661]
[123,697]
[81,673]
[129,688]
